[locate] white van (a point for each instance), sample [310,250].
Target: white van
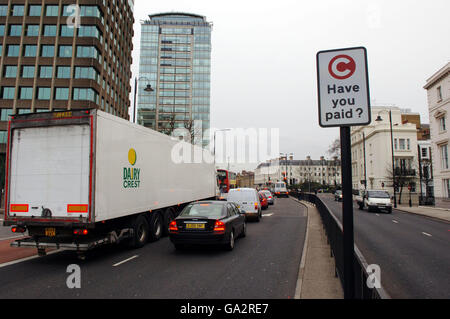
[247,200]
[280,189]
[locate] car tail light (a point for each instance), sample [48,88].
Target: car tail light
[81,232]
[256,206]
[173,228]
[18,229]
[219,227]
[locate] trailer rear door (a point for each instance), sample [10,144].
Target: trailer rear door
[50,172]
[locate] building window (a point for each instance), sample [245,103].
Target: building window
[35,10]
[30,51]
[402,144]
[442,124]
[10,71]
[2,30]
[63,72]
[439,93]
[15,30]
[46,72]
[49,30]
[8,92]
[424,153]
[67,31]
[444,156]
[26,93]
[51,10]
[62,94]
[44,93]
[32,30]
[18,10]
[85,94]
[48,51]
[28,72]
[13,50]
[5,114]
[395,144]
[3,10]
[65,51]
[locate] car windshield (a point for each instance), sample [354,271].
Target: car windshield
[378,194]
[209,210]
[267,193]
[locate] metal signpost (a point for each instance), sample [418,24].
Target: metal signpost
[344,101]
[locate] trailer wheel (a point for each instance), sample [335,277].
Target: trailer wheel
[156,227]
[141,232]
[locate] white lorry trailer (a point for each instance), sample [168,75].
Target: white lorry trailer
[84,178]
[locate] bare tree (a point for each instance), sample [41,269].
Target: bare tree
[335,148]
[189,125]
[402,177]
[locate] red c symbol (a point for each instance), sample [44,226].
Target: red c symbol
[342,67]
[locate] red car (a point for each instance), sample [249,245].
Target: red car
[263,200]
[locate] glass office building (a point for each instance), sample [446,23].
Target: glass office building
[175,60]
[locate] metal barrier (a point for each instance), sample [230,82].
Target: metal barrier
[333,229]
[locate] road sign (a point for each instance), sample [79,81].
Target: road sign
[343,87]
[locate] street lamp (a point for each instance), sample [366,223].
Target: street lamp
[379,119]
[286,156]
[148,89]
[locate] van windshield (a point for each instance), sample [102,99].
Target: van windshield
[237,195]
[378,194]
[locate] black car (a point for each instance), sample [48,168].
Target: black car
[206,223]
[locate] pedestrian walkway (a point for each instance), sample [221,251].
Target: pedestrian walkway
[317,278]
[439,213]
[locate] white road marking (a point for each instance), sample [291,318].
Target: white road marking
[426,234]
[394,221]
[28,258]
[267,215]
[378,215]
[124,261]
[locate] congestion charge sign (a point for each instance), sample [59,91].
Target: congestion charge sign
[343,87]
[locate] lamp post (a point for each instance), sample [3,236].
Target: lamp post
[148,89]
[379,119]
[286,156]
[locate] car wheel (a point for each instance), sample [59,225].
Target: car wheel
[244,230]
[179,247]
[390,210]
[141,232]
[361,207]
[230,245]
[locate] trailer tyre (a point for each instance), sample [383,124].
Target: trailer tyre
[156,227]
[141,232]
[169,215]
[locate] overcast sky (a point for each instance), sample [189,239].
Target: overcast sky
[263,70]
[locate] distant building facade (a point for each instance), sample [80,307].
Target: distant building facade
[372,153]
[438,95]
[245,179]
[322,171]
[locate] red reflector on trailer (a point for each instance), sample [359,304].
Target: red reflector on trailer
[19,208]
[77,208]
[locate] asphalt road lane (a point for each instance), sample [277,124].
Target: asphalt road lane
[262,265]
[413,264]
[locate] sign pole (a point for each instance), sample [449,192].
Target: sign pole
[347,216]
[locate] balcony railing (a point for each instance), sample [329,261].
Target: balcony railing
[400,171]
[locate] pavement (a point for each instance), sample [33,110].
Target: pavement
[429,211]
[317,278]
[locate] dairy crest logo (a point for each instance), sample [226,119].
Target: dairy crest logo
[131,175]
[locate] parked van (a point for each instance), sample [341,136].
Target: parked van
[248,200]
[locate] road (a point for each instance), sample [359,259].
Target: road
[262,265]
[412,251]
